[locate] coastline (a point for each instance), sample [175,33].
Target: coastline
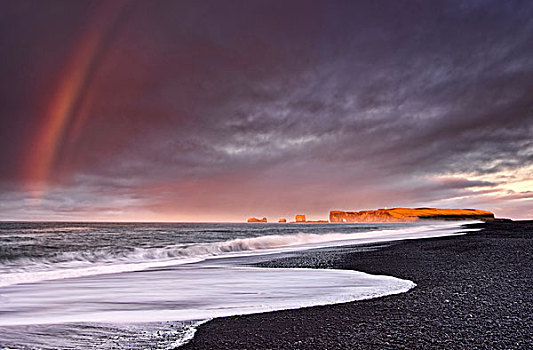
[473,291]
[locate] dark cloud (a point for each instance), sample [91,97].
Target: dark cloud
[274,107]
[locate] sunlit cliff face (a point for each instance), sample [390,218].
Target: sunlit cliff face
[222,111]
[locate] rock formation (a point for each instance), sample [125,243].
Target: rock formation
[282,220]
[300,218]
[257,220]
[409,214]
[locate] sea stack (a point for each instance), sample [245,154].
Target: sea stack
[257,220]
[300,218]
[409,215]
[282,220]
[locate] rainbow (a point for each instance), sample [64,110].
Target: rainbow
[69,93]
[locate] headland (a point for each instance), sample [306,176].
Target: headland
[393,215]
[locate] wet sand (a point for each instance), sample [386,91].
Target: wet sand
[473,291]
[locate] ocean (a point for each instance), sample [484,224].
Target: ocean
[149,285]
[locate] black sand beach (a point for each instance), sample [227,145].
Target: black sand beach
[473,292]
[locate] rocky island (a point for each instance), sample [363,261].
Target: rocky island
[257,220]
[409,214]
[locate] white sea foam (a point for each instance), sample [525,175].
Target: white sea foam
[133,336]
[187,293]
[75,292]
[79,264]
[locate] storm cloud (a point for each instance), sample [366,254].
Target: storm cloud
[222,110]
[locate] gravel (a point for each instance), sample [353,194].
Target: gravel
[473,291]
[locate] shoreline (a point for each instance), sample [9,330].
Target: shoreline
[473,291]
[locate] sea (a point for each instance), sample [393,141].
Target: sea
[150,285]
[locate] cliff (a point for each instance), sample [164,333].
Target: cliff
[409,214]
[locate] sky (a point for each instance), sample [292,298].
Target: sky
[224,110]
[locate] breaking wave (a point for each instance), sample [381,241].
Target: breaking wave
[113,260]
[161,307]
